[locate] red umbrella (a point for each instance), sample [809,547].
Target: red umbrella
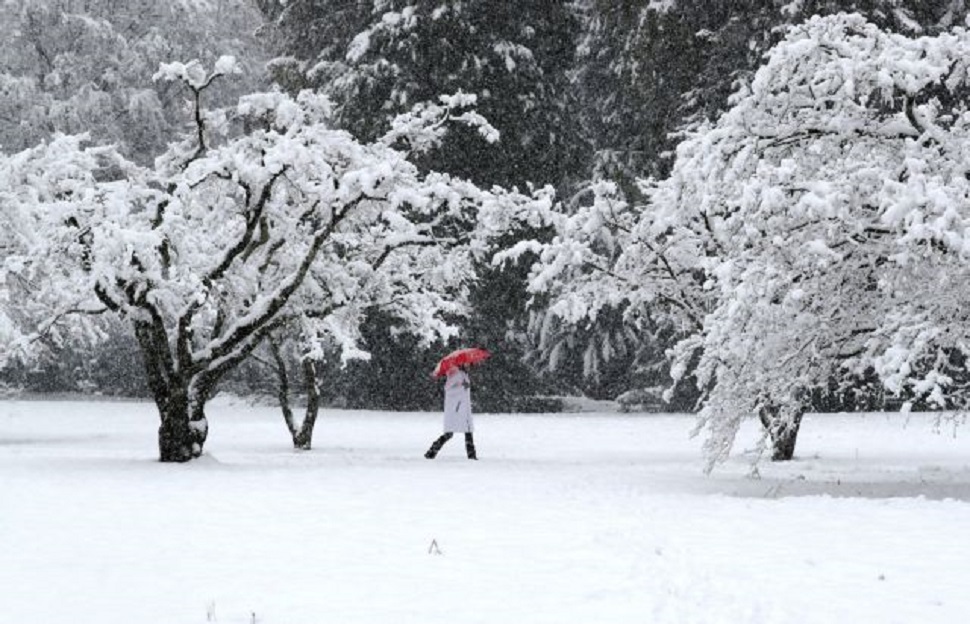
[470,355]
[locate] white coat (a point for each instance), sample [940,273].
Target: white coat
[458,402]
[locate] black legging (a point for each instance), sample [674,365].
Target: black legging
[437,444]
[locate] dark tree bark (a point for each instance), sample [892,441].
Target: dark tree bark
[180,398]
[183,430]
[304,439]
[302,434]
[782,426]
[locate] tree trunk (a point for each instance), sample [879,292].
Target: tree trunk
[303,434]
[181,406]
[304,438]
[782,427]
[183,430]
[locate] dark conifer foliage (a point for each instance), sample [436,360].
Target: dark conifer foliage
[378,59]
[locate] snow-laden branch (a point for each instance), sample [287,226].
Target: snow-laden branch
[424,127]
[816,232]
[286,222]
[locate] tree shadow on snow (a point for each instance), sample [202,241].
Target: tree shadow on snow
[930,483]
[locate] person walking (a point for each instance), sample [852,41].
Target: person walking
[458,412]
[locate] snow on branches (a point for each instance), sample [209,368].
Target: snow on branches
[424,127]
[833,196]
[817,231]
[264,217]
[194,75]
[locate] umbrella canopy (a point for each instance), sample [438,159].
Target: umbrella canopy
[470,355]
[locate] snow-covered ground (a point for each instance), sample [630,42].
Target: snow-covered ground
[583,518]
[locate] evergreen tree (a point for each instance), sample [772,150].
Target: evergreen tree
[376,64]
[379,59]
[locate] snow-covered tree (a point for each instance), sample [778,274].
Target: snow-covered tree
[377,59]
[74,66]
[834,197]
[817,230]
[602,284]
[264,218]
[647,69]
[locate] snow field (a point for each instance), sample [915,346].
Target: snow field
[566,518]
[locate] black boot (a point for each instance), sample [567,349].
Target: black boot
[470,446]
[437,444]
